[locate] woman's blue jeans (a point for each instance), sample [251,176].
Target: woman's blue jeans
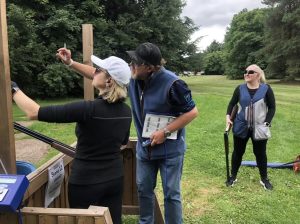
[146,175]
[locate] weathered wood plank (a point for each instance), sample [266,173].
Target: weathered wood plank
[7,141]
[106,217]
[87,46]
[8,218]
[100,220]
[130,210]
[84,220]
[32,219]
[157,213]
[66,220]
[128,182]
[47,219]
[100,211]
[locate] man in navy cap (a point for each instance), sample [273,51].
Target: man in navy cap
[157,96]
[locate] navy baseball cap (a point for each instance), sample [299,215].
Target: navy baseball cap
[146,53]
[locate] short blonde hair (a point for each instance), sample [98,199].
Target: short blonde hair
[262,77]
[114,92]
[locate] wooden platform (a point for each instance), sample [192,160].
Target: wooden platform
[59,211]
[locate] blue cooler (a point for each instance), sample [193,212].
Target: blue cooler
[24,168]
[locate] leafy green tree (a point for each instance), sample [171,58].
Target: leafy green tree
[214,63]
[26,52]
[169,32]
[214,46]
[282,39]
[194,63]
[243,41]
[213,59]
[38,28]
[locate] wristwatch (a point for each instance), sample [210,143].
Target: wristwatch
[14,89]
[167,133]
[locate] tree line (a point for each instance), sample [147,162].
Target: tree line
[269,37]
[37,28]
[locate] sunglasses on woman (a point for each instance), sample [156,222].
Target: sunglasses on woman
[249,72]
[98,70]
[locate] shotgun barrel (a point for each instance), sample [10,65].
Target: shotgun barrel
[66,149]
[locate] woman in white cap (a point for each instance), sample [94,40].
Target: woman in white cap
[102,128]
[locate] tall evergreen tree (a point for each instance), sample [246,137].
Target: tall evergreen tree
[243,41]
[283,39]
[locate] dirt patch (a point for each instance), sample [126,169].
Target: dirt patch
[30,150]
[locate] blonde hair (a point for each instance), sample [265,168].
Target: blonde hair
[262,77]
[114,92]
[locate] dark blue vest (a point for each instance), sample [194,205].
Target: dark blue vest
[245,117]
[155,101]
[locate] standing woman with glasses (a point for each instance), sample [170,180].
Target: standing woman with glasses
[256,104]
[102,128]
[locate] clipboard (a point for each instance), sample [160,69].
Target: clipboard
[155,122]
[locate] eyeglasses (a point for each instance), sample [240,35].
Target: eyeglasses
[98,70]
[136,64]
[249,72]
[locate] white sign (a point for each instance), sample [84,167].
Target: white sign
[155,122]
[56,174]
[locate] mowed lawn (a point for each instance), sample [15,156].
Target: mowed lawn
[206,199]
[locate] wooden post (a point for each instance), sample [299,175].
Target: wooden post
[7,141]
[87,47]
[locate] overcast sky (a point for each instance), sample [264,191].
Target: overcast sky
[213,16]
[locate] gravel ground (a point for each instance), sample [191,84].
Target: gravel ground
[29,149]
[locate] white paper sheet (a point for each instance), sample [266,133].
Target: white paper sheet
[56,174]
[155,122]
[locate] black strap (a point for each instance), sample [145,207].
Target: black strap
[296,161]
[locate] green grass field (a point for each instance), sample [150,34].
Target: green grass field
[206,199]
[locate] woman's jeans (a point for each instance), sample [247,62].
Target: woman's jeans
[170,171]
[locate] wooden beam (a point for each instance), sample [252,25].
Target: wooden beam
[100,211]
[87,47]
[7,141]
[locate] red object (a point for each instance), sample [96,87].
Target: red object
[296,166]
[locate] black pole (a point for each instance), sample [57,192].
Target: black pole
[226,145]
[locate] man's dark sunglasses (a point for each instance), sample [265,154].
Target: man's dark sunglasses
[249,72]
[137,63]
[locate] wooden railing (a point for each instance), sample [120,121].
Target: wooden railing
[58,212]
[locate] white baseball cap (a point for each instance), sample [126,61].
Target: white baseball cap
[116,67]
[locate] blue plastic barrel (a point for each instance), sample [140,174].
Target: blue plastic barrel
[24,168]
